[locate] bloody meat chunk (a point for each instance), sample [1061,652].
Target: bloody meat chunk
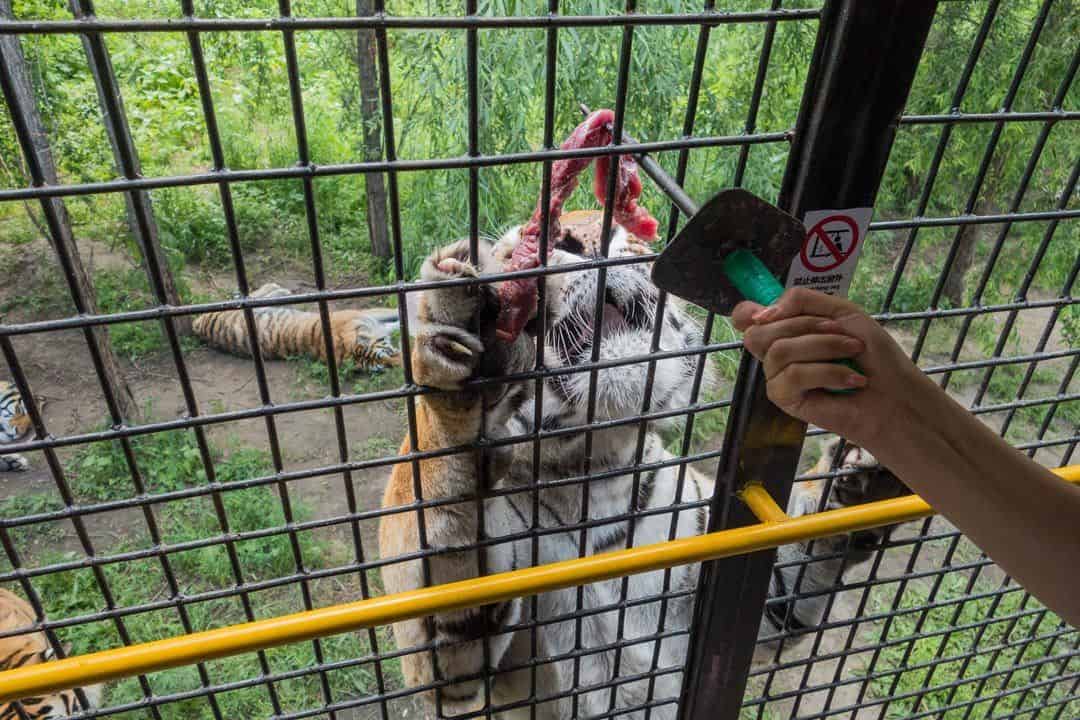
[519,296]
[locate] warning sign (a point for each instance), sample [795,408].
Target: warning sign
[830,252]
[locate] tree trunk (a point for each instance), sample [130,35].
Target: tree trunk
[374,183]
[966,241]
[140,212]
[22,105]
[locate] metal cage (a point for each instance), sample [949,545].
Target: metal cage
[928,627]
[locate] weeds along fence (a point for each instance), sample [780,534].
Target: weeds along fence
[260,138]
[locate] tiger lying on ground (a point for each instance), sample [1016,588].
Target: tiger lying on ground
[362,336]
[29,649]
[454,341]
[14,426]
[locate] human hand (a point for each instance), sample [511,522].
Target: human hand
[798,336]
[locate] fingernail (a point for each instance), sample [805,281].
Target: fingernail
[855,380]
[764,315]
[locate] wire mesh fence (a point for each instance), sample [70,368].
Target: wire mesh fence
[229,489]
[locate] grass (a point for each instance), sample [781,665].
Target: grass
[167,461]
[25,504]
[912,678]
[313,375]
[376,447]
[172,461]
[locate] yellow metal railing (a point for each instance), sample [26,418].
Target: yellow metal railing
[776,529]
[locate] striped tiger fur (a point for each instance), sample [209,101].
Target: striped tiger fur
[31,648]
[360,336]
[483,651]
[14,426]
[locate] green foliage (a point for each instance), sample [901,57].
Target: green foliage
[27,504]
[254,113]
[41,288]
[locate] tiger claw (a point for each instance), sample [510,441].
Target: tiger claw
[460,349]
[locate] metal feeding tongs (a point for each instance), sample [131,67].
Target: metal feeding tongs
[732,248]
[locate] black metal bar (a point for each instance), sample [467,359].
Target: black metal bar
[550,70]
[999,242]
[100,351]
[1000,116]
[355,168]
[143,224]
[126,156]
[63,488]
[122,432]
[472,102]
[1066,291]
[621,88]
[358,168]
[841,145]
[163,699]
[1021,294]
[310,214]
[403,288]
[26,328]
[381,21]
[669,185]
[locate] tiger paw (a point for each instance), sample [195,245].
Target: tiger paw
[448,346]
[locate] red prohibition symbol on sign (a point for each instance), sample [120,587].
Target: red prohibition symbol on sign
[830,243]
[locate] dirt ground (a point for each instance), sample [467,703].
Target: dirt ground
[58,366]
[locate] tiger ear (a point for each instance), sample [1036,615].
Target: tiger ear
[41,401]
[66,647]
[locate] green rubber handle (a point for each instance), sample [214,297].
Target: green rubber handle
[754,281]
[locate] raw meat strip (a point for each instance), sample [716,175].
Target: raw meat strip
[519,296]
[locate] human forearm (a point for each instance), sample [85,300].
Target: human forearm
[1022,515]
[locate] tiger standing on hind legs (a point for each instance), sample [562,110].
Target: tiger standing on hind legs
[455,341]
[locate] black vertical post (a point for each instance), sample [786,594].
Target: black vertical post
[864,62]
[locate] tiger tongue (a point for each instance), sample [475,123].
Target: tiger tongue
[519,296]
